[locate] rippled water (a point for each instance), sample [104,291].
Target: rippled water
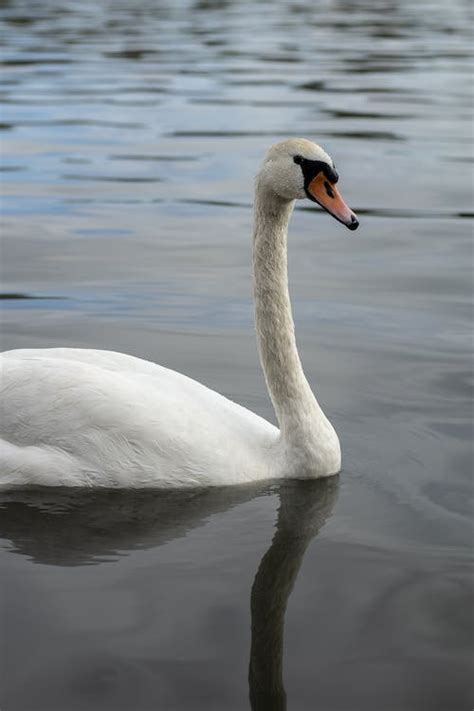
[131,134]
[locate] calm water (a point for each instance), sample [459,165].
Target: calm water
[131,134]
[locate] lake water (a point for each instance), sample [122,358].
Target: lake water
[131,135]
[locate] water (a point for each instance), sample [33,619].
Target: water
[131,134]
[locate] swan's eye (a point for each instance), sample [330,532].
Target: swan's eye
[298,159]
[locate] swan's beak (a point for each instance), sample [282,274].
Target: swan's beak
[325,193]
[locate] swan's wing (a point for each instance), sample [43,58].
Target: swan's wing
[99,417]
[108,360]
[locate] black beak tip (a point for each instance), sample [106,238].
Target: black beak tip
[353,224]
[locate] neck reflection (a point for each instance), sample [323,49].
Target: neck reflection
[304,508]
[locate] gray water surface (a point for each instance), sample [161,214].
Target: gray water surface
[131,135]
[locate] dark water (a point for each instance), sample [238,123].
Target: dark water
[131,134]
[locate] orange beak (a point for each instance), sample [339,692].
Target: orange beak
[325,193]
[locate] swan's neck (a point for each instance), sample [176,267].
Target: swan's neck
[303,424]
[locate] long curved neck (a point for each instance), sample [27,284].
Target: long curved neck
[296,407]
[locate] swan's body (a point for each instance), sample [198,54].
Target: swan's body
[107,419]
[96,418]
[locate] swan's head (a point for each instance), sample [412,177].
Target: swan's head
[296,168]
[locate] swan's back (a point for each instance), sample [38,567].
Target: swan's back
[83,417]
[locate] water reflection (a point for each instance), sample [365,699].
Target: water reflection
[70,528]
[303,511]
[74,527]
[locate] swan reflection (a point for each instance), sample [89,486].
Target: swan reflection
[303,511]
[76,527]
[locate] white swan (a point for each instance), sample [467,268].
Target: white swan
[74,417]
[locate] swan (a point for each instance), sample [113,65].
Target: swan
[96,418]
